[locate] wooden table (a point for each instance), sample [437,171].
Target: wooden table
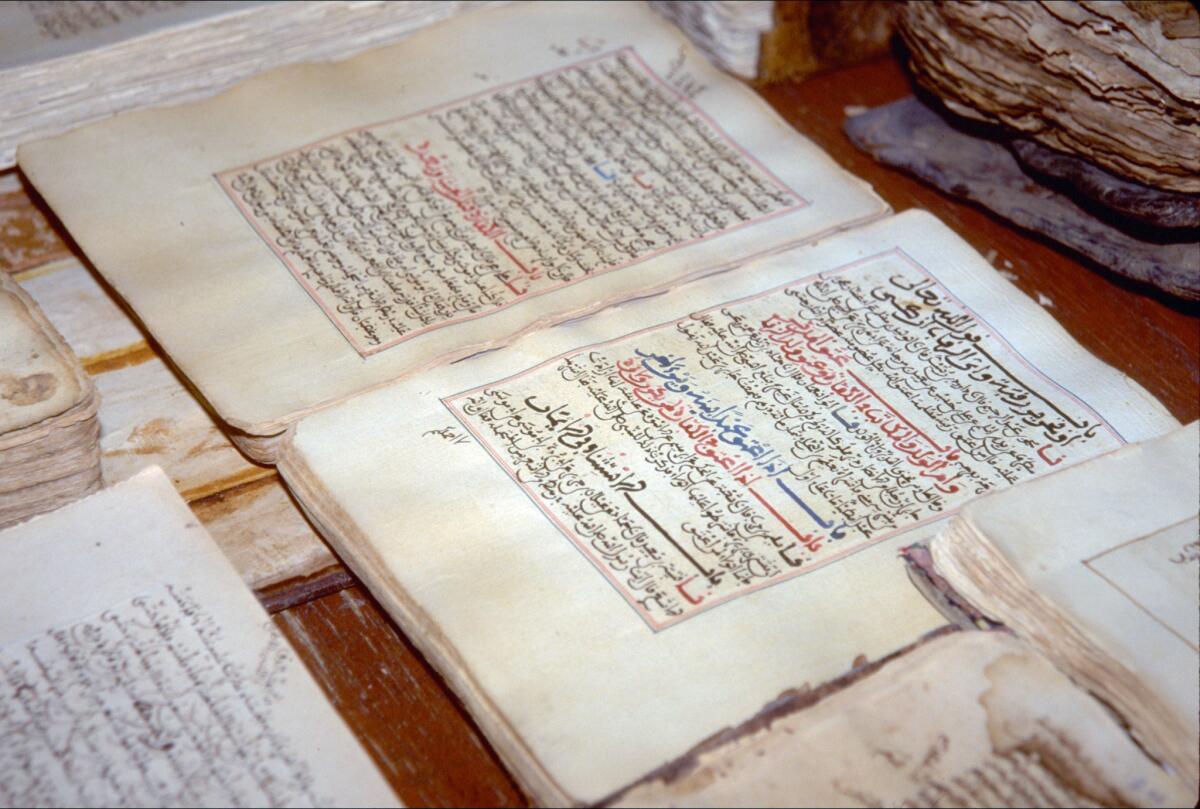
[407,718]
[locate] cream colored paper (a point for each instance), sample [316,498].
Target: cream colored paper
[973,719]
[180,208]
[1157,573]
[139,671]
[1099,565]
[63,64]
[35,30]
[37,381]
[529,596]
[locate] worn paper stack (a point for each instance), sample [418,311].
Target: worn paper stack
[729,32]
[49,435]
[1096,566]
[63,64]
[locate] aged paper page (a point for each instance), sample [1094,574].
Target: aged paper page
[618,536]
[326,228]
[49,450]
[1113,547]
[139,671]
[36,30]
[972,719]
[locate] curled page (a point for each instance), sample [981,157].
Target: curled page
[617,536]
[326,228]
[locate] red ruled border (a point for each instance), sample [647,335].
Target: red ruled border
[450,402]
[222,178]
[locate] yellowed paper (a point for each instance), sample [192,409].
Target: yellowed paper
[1157,574]
[619,535]
[327,228]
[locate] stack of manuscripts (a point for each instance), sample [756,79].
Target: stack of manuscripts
[623,398]
[49,434]
[62,64]
[1097,566]
[729,31]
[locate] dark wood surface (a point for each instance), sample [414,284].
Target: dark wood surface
[1151,337]
[416,730]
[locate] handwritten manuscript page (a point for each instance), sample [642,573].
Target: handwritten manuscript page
[1008,730]
[701,493]
[1101,565]
[139,671]
[366,218]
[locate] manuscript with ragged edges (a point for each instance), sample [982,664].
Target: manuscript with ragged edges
[618,536]
[1099,567]
[366,219]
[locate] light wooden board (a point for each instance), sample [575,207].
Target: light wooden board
[148,417]
[263,532]
[86,315]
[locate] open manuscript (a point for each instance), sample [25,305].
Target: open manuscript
[1099,566]
[622,534]
[137,670]
[326,228]
[677,487]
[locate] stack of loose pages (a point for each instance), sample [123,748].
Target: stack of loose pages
[684,388]
[63,64]
[1099,567]
[49,434]
[729,31]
